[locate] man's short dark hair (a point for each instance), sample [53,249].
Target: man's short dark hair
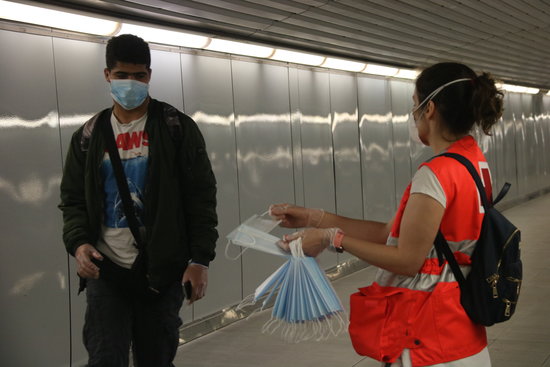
[127,48]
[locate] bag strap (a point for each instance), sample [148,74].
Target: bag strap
[441,245]
[473,172]
[442,248]
[122,182]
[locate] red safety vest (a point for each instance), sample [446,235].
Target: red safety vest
[423,313]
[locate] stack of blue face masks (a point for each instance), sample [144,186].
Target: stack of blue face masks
[306,306]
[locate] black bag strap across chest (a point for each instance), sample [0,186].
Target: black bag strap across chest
[122,183]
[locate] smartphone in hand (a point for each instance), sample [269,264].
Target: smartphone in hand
[187,290]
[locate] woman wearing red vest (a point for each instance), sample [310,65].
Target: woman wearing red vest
[414,317]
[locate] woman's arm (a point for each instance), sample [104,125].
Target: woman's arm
[419,226]
[366,230]
[292,216]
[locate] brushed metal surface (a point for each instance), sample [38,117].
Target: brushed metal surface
[34,283]
[264,156]
[208,95]
[347,152]
[375,126]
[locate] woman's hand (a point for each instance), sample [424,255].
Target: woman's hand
[292,216]
[314,240]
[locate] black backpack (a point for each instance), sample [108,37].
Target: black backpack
[490,292]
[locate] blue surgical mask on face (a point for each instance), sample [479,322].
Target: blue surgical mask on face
[129,93]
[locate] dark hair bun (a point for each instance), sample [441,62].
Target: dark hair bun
[488,102]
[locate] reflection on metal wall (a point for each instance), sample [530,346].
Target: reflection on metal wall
[33,277]
[81,92]
[316,145]
[274,133]
[264,156]
[209,101]
[346,145]
[376,149]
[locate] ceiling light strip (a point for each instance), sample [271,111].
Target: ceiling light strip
[102,27]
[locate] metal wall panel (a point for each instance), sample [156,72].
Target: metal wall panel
[209,101]
[347,153]
[540,159]
[376,148]
[317,151]
[33,276]
[545,121]
[166,78]
[520,142]
[509,154]
[295,117]
[82,91]
[497,169]
[401,104]
[530,143]
[264,156]
[345,135]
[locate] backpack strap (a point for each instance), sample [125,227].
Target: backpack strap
[441,246]
[122,182]
[473,172]
[502,192]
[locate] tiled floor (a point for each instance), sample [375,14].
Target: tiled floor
[524,341]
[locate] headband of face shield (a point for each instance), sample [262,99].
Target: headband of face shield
[413,128]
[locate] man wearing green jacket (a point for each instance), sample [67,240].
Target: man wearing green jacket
[173,191]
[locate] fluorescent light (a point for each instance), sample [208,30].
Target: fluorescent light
[406,74]
[517,88]
[239,48]
[164,36]
[532,90]
[56,19]
[341,64]
[297,57]
[548,93]
[380,70]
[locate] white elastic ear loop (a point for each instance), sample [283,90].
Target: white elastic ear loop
[241,252]
[437,90]
[252,243]
[296,247]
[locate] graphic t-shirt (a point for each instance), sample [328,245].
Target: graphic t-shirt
[116,240]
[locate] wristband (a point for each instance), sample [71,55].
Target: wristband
[337,241]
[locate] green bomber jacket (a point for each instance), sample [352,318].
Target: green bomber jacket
[179,200]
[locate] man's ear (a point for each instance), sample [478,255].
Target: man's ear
[106,74]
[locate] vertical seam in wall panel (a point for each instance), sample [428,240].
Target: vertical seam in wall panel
[236,162]
[301,141]
[181,79]
[291,130]
[62,164]
[359,145]
[332,140]
[516,148]
[392,141]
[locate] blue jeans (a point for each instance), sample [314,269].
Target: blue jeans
[116,321]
